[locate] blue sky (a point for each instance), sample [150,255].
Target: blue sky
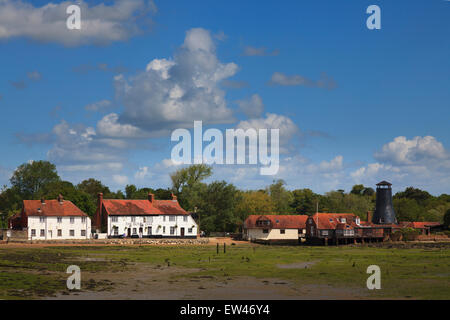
[384,116]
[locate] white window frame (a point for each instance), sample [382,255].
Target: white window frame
[72,220]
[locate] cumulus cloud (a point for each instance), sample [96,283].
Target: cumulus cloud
[100,24]
[261,51]
[99,105]
[420,161]
[282,79]
[288,129]
[253,106]
[172,93]
[142,173]
[120,179]
[402,151]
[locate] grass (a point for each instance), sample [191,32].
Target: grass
[405,273]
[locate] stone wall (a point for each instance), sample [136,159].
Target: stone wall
[174,241]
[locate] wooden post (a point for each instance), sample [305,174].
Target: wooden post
[326,241]
[217,248]
[224,247]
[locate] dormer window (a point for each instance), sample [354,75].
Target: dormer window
[343,220]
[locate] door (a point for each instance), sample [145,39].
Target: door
[182,232]
[149,231]
[129,232]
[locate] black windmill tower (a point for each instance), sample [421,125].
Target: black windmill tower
[384,210]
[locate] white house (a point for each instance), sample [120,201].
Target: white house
[275,228]
[144,218]
[52,220]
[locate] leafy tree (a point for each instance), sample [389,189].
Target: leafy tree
[254,202]
[187,177]
[407,209]
[29,178]
[130,191]
[217,206]
[305,201]
[357,189]
[281,197]
[368,192]
[447,219]
[93,187]
[415,194]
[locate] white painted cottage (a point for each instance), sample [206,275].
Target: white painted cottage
[144,218]
[52,220]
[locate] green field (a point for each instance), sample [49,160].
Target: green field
[424,273]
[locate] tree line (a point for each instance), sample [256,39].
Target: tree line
[219,206]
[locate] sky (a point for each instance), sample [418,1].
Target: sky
[353,105]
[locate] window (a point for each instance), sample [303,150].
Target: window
[185,218]
[149,231]
[133,219]
[83,233]
[41,219]
[114,219]
[59,232]
[265,230]
[42,233]
[343,220]
[282,231]
[116,231]
[72,233]
[324,232]
[164,230]
[72,219]
[164,218]
[83,219]
[134,231]
[172,218]
[33,232]
[59,219]
[189,230]
[172,230]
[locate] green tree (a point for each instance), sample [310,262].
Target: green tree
[305,201]
[217,207]
[254,202]
[447,219]
[357,189]
[93,187]
[130,191]
[187,177]
[281,197]
[29,178]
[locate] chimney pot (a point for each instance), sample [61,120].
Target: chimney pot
[43,201]
[60,198]
[151,197]
[174,197]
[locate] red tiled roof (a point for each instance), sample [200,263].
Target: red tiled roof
[143,207]
[333,220]
[51,208]
[420,225]
[278,221]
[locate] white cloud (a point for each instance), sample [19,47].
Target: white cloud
[120,179]
[142,173]
[421,162]
[109,126]
[288,129]
[34,75]
[279,78]
[98,106]
[253,107]
[172,93]
[402,151]
[261,51]
[100,24]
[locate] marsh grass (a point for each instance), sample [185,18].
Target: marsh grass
[406,273]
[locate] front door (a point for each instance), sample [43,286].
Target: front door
[129,232]
[182,232]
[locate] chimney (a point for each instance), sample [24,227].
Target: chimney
[369,216]
[151,197]
[60,198]
[174,197]
[98,214]
[42,200]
